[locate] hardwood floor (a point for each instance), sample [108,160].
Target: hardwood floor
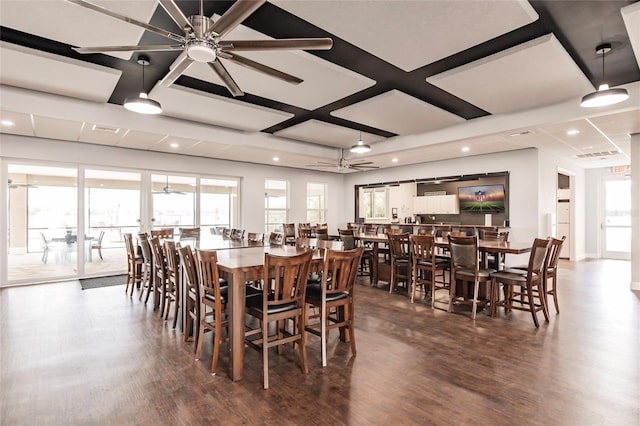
[100,357]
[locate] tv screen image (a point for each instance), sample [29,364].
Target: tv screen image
[481,198]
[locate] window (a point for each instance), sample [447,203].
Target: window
[373,203]
[275,204]
[316,202]
[174,201]
[218,203]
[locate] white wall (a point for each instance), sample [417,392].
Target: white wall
[252,175]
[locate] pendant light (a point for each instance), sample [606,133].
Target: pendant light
[604,96]
[143,104]
[360,147]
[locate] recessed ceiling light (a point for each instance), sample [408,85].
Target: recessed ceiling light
[276,158]
[8,123]
[573,132]
[174,145]
[394,160]
[465,149]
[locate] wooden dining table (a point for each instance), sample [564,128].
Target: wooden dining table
[485,246]
[238,267]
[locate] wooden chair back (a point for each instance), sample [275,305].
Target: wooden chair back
[276,239]
[163,234]
[393,231]
[226,233]
[192,297]
[439,229]
[189,233]
[307,243]
[322,233]
[304,232]
[464,252]
[398,246]
[330,245]
[255,237]
[370,228]
[285,279]
[425,230]
[347,238]
[209,277]
[495,235]
[422,248]
[342,266]
[236,234]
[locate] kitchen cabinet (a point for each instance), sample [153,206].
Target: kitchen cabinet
[436,204]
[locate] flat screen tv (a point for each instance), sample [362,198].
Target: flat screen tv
[481,198]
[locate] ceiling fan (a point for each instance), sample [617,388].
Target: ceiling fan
[202,42]
[168,190]
[14,185]
[344,164]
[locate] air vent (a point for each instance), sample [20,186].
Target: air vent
[522,133]
[597,154]
[105,129]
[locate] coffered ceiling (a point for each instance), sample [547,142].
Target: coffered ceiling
[417,80]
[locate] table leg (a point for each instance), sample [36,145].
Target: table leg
[236,325]
[374,266]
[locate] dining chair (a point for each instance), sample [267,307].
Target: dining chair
[159,274]
[425,266]
[283,298]
[97,244]
[289,230]
[366,260]
[172,294]
[236,234]
[465,267]
[163,234]
[192,296]
[46,246]
[226,233]
[495,260]
[521,288]
[255,237]
[304,232]
[213,300]
[322,233]
[425,230]
[189,233]
[400,260]
[134,264]
[146,280]
[276,239]
[551,270]
[334,297]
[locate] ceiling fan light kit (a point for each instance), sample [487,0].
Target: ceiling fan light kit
[604,96]
[143,104]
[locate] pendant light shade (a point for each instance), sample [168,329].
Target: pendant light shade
[143,104]
[360,147]
[604,96]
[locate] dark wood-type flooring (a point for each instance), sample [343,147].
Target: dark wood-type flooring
[100,357]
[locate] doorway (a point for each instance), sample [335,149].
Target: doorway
[616,214]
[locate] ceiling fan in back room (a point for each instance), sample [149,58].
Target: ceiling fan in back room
[202,41]
[344,164]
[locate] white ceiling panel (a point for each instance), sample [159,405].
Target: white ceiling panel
[101,134]
[631,17]
[53,128]
[78,26]
[409,34]
[194,105]
[322,133]
[36,70]
[174,145]
[140,140]
[324,82]
[16,123]
[207,149]
[533,74]
[399,113]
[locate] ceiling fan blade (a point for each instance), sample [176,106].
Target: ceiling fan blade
[144,25]
[240,60]
[226,78]
[237,13]
[361,163]
[363,167]
[176,69]
[175,13]
[281,44]
[148,48]
[320,165]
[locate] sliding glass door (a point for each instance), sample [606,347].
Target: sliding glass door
[42,223]
[112,208]
[616,227]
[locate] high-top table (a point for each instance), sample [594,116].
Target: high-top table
[238,267]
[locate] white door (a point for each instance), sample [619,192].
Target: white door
[616,226]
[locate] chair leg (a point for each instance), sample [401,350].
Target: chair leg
[452,294]
[474,306]
[554,293]
[176,306]
[100,252]
[532,306]
[265,354]
[303,344]
[323,332]
[352,332]
[216,345]
[200,339]
[414,280]
[163,298]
